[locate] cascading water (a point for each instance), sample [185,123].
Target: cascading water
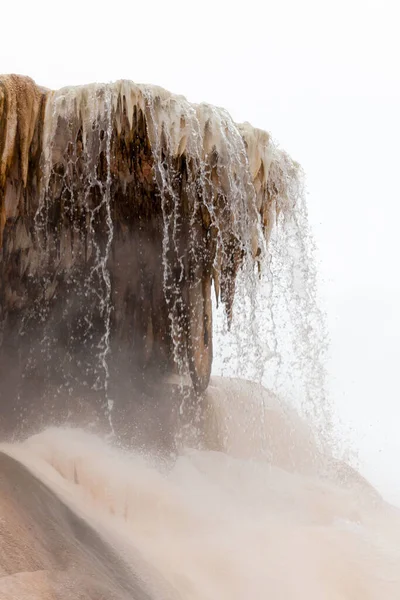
[121,206]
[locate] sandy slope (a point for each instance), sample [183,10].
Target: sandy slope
[48,551]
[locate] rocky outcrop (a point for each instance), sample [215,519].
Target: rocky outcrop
[121,207]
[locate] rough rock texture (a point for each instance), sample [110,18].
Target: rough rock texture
[121,206]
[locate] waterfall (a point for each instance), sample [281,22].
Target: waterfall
[122,206]
[164,425]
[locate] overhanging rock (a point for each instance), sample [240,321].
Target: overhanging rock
[121,207]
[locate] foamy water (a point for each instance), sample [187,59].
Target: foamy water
[230,523]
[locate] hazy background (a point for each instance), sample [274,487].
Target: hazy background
[323,77]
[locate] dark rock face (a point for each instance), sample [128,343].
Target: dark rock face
[120,207]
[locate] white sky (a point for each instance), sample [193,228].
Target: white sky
[323,77]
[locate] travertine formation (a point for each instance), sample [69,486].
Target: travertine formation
[121,206]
